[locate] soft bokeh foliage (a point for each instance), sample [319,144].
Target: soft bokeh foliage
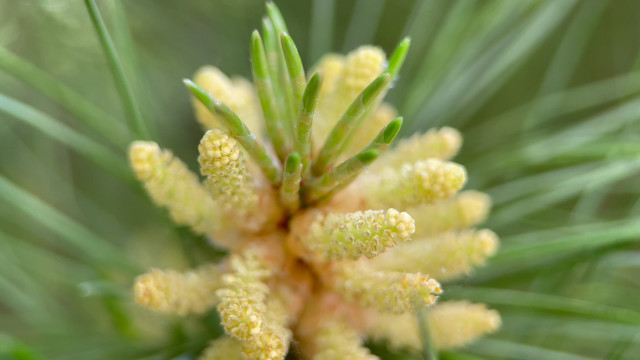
[546,94]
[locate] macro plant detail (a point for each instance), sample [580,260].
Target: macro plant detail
[332,235]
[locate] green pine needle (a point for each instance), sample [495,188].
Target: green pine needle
[290,189]
[295,68]
[81,108]
[302,143]
[55,129]
[397,58]
[132,110]
[348,123]
[77,238]
[338,177]
[264,85]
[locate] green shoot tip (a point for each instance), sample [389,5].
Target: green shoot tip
[292,163]
[398,56]
[392,129]
[368,156]
[373,90]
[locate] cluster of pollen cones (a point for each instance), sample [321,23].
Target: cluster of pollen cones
[331,236]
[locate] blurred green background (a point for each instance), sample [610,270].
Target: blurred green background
[546,93]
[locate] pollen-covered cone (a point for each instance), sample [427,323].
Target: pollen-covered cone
[318,235]
[169,291]
[352,235]
[444,257]
[450,324]
[249,313]
[388,291]
[228,178]
[223,348]
[422,182]
[173,186]
[245,200]
[464,210]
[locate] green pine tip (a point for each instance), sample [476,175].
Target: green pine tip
[373,90]
[292,163]
[188,82]
[310,97]
[276,17]
[198,92]
[256,41]
[258,56]
[398,56]
[392,129]
[368,156]
[287,43]
[292,56]
[232,122]
[267,27]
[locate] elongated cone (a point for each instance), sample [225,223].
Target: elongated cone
[352,235]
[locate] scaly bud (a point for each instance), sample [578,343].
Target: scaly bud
[445,257]
[426,181]
[394,292]
[441,144]
[352,235]
[169,291]
[171,185]
[462,211]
